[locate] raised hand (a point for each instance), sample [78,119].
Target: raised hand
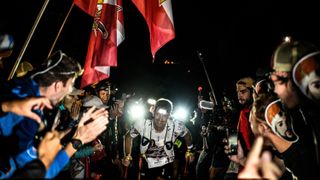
[91,124]
[256,164]
[116,109]
[25,106]
[75,109]
[49,147]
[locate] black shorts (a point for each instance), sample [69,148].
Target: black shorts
[165,171]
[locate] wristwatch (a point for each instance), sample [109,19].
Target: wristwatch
[76,143]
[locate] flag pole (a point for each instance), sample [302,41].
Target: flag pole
[44,6]
[61,27]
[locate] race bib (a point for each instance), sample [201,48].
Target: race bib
[157,162]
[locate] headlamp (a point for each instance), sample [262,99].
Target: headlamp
[162,111]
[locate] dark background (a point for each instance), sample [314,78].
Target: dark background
[235,38]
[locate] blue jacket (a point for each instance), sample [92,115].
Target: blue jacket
[17,132]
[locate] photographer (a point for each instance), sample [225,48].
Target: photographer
[54,80]
[213,162]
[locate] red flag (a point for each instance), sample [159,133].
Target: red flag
[88,6]
[158,15]
[107,33]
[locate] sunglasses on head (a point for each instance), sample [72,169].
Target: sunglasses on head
[265,85]
[53,62]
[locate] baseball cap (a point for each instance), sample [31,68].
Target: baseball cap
[6,45]
[279,122]
[76,91]
[246,82]
[289,52]
[93,101]
[23,68]
[306,75]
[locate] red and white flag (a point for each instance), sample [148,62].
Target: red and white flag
[107,33]
[159,17]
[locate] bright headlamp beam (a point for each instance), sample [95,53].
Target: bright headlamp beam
[162,111]
[136,111]
[151,101]
[181,113]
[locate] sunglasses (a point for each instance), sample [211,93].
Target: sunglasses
[280,78]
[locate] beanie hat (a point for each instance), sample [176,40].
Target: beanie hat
[246,82]
[288,53]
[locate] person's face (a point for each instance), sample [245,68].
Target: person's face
[282,128]
[60,91]
[285,90]
[104,96]
[244,95]
[314,86]
[160,118]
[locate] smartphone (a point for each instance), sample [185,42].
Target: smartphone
[232,138]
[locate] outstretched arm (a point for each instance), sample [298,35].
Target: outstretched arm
[127,149]
[189,154]
[25,106]
[91,124]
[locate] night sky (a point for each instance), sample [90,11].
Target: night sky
[235,39]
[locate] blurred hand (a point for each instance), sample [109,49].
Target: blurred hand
[189,157]
[25,106]
[116,109]
[204,131]
[75,109]
[49,147]
[91,124]
[256,164]
[98,147]
[125,162]
[238,158]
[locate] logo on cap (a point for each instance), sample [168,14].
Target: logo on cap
[279,121]
[306,75]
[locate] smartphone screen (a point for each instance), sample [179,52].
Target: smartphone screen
[233,143]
